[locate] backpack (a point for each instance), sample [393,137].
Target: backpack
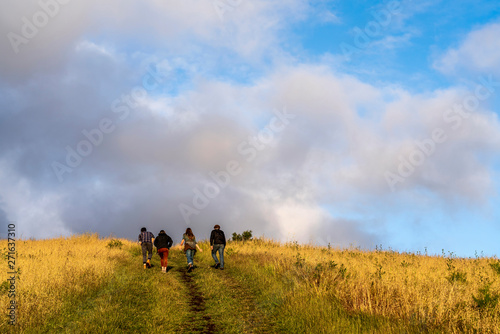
[189,244]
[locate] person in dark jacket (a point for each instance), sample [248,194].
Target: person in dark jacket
[163,242]
[217,244]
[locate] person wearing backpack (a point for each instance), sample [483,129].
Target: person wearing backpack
[190,246]
[217,244]
[163,242]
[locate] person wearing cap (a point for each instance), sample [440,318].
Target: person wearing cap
[146,239]
[217,244]
[163,242]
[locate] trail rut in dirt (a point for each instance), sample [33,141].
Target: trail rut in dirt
[201,321]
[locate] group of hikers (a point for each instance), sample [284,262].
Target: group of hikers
[163,242]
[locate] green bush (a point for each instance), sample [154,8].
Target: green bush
[115,243]
[495,266]
[4,287]
[246,235]
[455,275]
[486,299]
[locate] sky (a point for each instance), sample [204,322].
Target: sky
[349,123]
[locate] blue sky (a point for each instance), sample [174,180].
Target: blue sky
[356,123]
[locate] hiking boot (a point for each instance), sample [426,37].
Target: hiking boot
[190,268]
[217,265]
[221,268]
[144,266]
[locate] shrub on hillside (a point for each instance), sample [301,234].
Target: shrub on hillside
[115,243]
[246,235]
[495,266]
[486,298]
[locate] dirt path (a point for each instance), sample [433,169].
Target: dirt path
[201,322]
[218,301]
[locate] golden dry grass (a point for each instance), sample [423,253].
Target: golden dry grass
[55,270]
[299,287]
[431,293]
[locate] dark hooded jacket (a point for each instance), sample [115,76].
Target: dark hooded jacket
[163,241]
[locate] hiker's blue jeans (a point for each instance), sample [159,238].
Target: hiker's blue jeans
[218,248]
[189,255]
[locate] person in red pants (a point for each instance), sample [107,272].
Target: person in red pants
[163,243]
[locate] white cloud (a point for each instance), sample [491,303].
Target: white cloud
[327,16]
[93,47]
[181,27]
[478,53]
[392,42]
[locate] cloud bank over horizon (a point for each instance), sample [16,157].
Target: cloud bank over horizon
[248,114]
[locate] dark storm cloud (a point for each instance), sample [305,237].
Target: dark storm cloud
[4,223]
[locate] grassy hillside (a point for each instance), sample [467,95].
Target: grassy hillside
[85,284]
